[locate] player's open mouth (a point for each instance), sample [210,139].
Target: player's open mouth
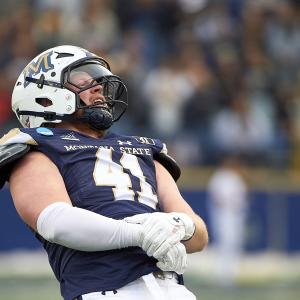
[99,101]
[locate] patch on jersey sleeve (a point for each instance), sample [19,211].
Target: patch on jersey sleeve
[44,131]
[144,140]
[15,136]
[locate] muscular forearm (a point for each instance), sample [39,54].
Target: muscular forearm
[200,237]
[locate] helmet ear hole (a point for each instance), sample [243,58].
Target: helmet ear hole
[45,102]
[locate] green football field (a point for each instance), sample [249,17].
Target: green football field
[46,288]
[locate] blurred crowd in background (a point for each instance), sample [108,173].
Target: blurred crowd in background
[208,77]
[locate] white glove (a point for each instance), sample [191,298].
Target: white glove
[186,221]
[162,230]
[157,235]
[175,260]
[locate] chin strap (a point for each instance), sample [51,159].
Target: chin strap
[97,117]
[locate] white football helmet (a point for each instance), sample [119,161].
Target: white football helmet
[45,92]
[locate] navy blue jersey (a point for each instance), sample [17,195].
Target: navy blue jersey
[113,176]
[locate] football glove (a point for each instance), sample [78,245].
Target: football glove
[161,231]
[175,259]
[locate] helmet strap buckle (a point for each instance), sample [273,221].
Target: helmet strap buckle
[49,115]
[40,81]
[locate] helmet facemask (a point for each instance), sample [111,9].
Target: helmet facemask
[112,103]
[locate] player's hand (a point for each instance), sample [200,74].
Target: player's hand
[175,259]
[161,231]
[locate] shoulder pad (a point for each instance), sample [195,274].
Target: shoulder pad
[169,163]
[8,154]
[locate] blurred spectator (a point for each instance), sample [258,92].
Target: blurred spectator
[166,89]
[228,204]
[47,31]
[242,129]
[5,110]
[282,39]
[101,28]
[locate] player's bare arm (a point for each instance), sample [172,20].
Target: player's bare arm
[171,200]
[35,183]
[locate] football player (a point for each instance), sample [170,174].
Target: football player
[105,206]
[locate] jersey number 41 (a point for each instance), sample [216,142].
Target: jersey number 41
[109,173]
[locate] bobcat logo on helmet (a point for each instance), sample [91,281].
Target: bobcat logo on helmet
[43,64]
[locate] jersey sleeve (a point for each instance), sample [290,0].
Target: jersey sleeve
[13,146]
[160,154]
[17,136]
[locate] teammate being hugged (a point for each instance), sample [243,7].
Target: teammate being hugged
[105,206]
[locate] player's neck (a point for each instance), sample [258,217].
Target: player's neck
[82,128]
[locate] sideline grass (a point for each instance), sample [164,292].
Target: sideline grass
[29,288]
[258,291]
